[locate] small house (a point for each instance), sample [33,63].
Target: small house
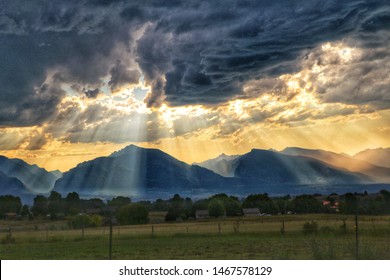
[11,216]
[202,214]
[251,211]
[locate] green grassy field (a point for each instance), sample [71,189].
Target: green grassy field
[244,238]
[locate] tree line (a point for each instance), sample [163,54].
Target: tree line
[92,212]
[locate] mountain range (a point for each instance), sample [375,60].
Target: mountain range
[380,174]
[35,179]
[272,167]
[380,156]
[142,172]
[364,169]
[151,173]
[134,171]
[24,180]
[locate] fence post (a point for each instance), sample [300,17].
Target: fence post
[282,228]
[8,237]
[344,226]
[110,241]
[47,234]
[357,235]
[219,228]
[152,231]
[236,226]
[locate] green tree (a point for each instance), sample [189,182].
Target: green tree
[386,201]
[175,212]
[188,206]
[80,221]
[216,208]
[231,204]
[232,207]
[176,199]
[39,207]
[119,201]
[133,214]
[307,204]
[350,205]
[283,204]
[201,204]
[72,203]
[95,220]
[10,204]
[96,203]
[161,205]
[54,205]
[179,208]
[25,212]
[220,196]
[260,201]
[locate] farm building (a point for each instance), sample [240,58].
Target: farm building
[251,211]
[202,214]
[11,216]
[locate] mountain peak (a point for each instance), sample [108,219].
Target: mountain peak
[261,151]
[290,149]
[128,149]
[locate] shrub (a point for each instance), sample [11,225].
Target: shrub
[96,220]
[133,214]
[79,221]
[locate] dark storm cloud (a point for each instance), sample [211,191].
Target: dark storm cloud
[92,93]
[154,56]
[189,52]
[121,74]
[52,38]
[218,46]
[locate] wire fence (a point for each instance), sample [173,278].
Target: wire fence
[56,241]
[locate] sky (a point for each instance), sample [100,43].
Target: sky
[81,79]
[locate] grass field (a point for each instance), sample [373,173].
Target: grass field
[244,238]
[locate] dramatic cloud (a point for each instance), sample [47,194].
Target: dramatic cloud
[10,139]
[351,75]
[194,52]
[121,75]
[116,71]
